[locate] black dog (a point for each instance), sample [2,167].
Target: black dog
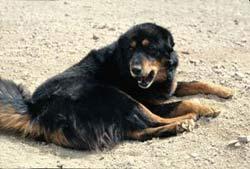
[113,94]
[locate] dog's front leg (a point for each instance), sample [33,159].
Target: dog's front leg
[196,87]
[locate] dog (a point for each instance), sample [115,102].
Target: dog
[113,94]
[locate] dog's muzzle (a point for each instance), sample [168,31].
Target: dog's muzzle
[144,76]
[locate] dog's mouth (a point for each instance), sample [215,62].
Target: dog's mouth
[146,81]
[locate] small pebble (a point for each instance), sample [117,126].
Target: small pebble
[194,155]
[232,142]
[95,37]
[236,22]
[60,166]
[244,139]
[111,29]
[237,144]
[44,143]
[185,52]
[194,62]
[103,26]
[238,76]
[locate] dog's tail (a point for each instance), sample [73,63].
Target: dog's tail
[14,110]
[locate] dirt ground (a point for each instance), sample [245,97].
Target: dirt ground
[40,38]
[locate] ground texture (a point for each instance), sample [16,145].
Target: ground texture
[40,38]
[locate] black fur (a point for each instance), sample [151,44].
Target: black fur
[93,102]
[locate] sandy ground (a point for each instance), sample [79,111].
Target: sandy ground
[39,38]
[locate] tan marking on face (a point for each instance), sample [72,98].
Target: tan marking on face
[162,73]
[145,42]
[148,66]
[133,44]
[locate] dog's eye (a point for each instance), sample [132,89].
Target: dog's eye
[132,45]
[152,49]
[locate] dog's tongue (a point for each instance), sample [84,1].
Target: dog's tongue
[143,82]
[142,79]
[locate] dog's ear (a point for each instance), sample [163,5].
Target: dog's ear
[123,45]
[173,61]
[168,36]
[123,42]
[170,40]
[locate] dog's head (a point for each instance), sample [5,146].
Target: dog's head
[148,51]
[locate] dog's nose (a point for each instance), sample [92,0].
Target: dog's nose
[136,70]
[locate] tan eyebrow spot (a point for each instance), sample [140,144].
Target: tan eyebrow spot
[145,42]
[133,44]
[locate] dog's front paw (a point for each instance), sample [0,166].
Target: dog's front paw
[185,125]
[225,92]
[209,111]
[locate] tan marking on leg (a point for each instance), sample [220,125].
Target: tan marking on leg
[160,120]
[148,133]
[153,117]
[192,88]
[196,107]
[58,138]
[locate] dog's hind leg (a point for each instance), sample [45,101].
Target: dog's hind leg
[166,130]
[118,104]
[196,87]
[142,113]
[152,117]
